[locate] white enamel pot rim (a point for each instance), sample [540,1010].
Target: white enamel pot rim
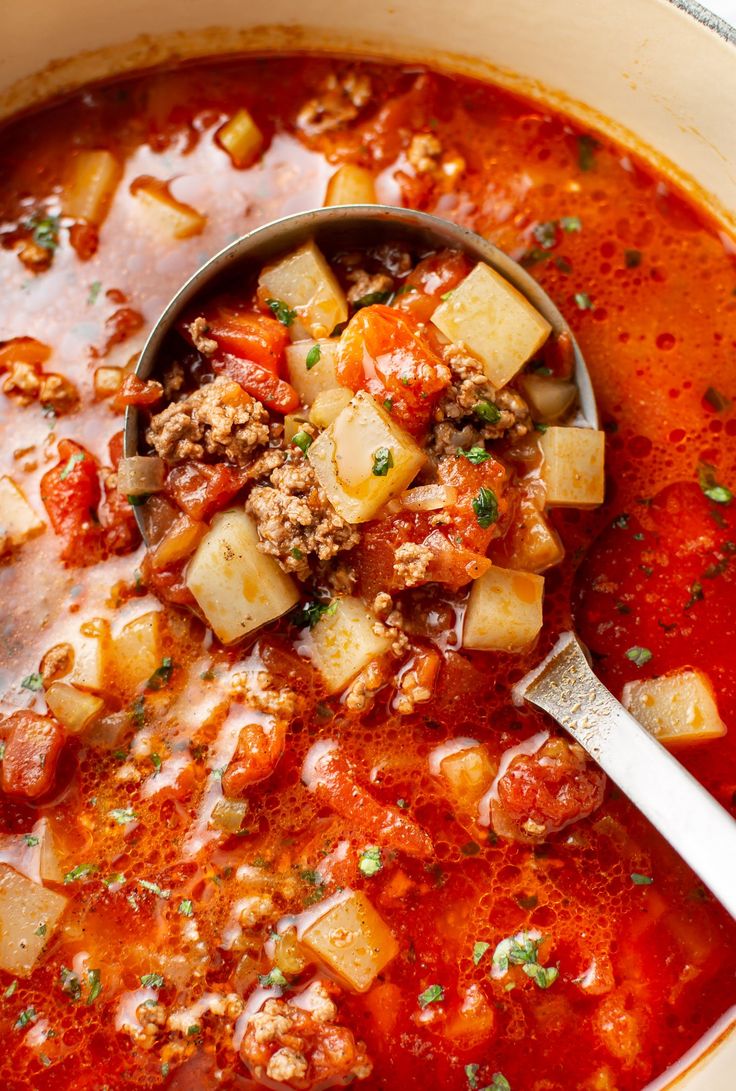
[658,75]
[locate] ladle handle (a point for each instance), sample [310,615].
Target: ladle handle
[696,826]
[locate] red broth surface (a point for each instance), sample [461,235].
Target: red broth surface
[649,288]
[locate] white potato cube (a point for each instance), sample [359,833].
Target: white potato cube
[531,544]
[469,773]
[353,940]
[29,915]
[494,322]
[351,185]
[73,708]
[172,218]
[678,708]
[320,375]
[237,587]
[364,459]
[304,282]
[138,650]
[549,398]
[504,611]
[241,138]
[18,520]
[90,186]
[343,642]
[572,469]
[328,405]
[92,651]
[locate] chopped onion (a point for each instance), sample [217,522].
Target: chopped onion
[140,475]
[429,497]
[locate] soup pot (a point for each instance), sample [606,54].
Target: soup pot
[658,76]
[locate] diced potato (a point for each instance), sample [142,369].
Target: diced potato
[531,544]
[343,642]
[504,611]
[549,398]
[181,539]
[108,381]
[91,655]
[469,773]
[494,322]
[678,708]
[294,423]
[91,185]
[173,218]
[572,470]
[241,138]
[73,708]
[48,857]
[138,650]
[328,405]
[347,456]
[351,185]
[18,520]
[321,376]
[304,282]
[237,587]
[229,814]
[24,908]
[353,941]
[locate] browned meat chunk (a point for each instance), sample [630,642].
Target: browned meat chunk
[295,519]
[219,419]
[424,152]
[340,100]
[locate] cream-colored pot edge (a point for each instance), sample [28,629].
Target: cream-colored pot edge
[645,71]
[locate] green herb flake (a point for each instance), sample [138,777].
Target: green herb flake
[583,301]
[523,950]
[186,907]
[138,711]
[641,880]
[123,816]
[2,749]
[632,259]
[193,1030]
[638,655]
[498,1083]
[81,871]
[447,295]
[485,506]
[716,400]
[273,979]
[476,455]
[45,231]
[402,803]
[70,983]
[116,878]
[388,404]
[303,441]
[546,234]
[487,411]
[94,290]
[280,310]
[309,614]
[28,1015]
[571,223]
[154,889]
[710,487]
[479,949]
[41,930]
[696,595]
[152,981]
[587,146]
[94,979]
[431,995]
[371,299]
[370,861]
[313,357]
[162,675]
[72,461]
[471,1075]
[30,840]
[383,461]
[156,763]
[33,682]
[10,989]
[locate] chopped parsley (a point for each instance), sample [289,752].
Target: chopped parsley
[571,223]
[586,151]
[156,763]
[388,404]
[2,749]
[371,298]
[186,907]
[487,411]
[370,862]
[280,310]
[638,655]
[94,290]
[383,461]
[45,231]
[546,234]
[471,1074]
[78,456]
[641,880]
[485,506]
[498,1083]
[523,950]
[431,995]
[138,711]
[303,441]
[716,400]
[273,979]
[632,258]
[70,983]
[30,840]
[33,682]
[152,981]
[28,1015]
[313,357]
[476,455]
[41,930]
[81,871]
[719,494]
[154,888]
[583,301]
[194,1029]
[123,816]
[10,989]
[696,595]
[162,675]
[479,949]
[309,614]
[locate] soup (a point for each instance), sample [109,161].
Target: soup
[223,866]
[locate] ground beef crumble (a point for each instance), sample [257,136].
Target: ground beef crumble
[296,520]
[411,563]
[219,419]
[340,100]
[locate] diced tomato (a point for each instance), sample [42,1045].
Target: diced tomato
[71,495]
[167,583]
[135,391]
[476,526]
[258,381]
[201,489]
[383,352]
[118,520]
[115,447]
[33,744]
[243,333]
[432,278]
[256,756]
[25,350]
[558,355]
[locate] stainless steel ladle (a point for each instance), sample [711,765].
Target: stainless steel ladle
[564,685]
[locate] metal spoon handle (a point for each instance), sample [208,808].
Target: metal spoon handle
[696,826]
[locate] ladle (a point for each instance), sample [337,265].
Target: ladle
[564,685]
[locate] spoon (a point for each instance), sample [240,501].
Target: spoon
[563,685]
